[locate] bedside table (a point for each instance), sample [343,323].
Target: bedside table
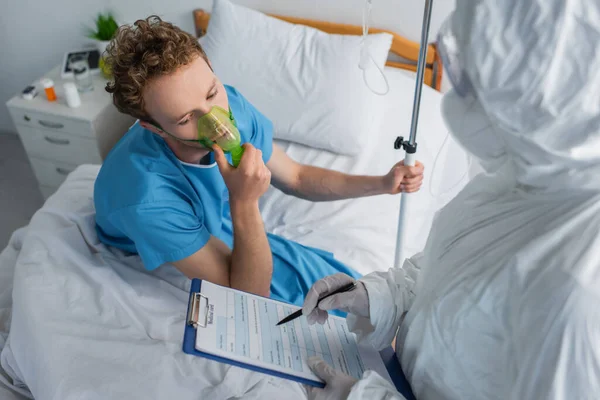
[58,138]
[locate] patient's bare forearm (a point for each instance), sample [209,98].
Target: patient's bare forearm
[318,184]
[252,262]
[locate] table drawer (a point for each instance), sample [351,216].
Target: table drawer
[50,173]
[53,123]
[59,146]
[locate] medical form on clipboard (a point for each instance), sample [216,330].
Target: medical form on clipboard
[239,328]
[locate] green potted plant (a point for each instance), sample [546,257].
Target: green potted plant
[105,29]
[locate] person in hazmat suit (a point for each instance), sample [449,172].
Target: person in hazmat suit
[504,300]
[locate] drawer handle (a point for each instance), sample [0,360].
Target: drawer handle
[63,171]
[49,124]
[57,141]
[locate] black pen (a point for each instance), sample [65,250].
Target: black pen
[293,316]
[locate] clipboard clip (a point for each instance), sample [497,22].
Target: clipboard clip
[193,316]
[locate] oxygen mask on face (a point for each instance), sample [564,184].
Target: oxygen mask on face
[219,127]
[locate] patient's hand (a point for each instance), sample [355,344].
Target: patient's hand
[250,180]
[404,179]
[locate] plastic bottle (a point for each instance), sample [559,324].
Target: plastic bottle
[72,95]
[49,89]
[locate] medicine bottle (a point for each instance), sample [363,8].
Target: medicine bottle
[71,94]
[49,89]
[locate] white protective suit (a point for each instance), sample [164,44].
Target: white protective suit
[506,303]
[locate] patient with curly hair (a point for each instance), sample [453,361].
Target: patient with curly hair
[176,201]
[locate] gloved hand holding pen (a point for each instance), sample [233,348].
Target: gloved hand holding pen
[337,384]
[355,301]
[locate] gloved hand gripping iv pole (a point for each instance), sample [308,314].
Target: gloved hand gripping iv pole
[410,146]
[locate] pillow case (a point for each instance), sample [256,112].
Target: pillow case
[306,81]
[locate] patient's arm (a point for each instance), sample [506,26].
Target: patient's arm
[319,184]
[249,267]
[211,263]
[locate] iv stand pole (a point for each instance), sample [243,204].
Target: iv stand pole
[410,146]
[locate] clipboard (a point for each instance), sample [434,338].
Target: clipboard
[197,301]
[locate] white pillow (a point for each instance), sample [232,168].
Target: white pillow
[306,81]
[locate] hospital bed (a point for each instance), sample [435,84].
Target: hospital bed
[81,320]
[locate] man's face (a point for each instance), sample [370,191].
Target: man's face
[176,101]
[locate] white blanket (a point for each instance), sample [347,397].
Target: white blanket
[89,322]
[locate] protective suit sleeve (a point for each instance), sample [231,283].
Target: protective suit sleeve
[390,295]
[372,386]
[556,347]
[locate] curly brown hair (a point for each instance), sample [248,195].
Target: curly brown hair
[139,53]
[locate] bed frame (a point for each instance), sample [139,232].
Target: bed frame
[406,49]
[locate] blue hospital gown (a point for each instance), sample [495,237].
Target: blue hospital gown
[150,203]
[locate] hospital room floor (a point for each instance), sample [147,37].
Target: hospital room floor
[19,193]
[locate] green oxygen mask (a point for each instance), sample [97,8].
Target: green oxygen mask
[219,127]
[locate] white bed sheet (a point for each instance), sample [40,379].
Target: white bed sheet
[89,322]
[362,232]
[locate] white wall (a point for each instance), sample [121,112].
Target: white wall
[33,38]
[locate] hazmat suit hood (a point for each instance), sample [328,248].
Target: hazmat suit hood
[527,90]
